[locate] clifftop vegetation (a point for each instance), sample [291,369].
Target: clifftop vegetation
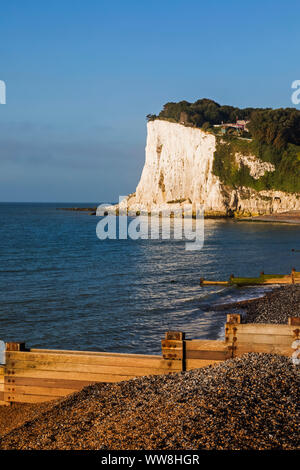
[275,138]
[202,112]
[286,176]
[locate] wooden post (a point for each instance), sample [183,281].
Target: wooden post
[294,321]
[230,332]
[293,275]
[11,346]
[233,318]
[173,348]
[15,346]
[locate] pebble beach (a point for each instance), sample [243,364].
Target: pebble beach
[250,402]
[275,307]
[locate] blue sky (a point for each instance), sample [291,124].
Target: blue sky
[81,76]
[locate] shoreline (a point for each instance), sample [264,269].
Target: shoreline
[288,218]
[199,406]
[275,306]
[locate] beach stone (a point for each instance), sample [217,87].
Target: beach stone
[250,402]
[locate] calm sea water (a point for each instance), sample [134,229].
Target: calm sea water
[61,287]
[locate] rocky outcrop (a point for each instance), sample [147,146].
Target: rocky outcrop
[257,167]
[179,170]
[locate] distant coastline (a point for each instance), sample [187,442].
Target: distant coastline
[290,217]
[91,210]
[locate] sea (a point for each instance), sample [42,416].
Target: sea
[63,288]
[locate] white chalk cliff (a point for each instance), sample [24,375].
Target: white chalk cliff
[179,170]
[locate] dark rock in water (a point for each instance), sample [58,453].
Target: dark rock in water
[249,402]
[77,209]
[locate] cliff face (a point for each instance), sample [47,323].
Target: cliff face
[179,170]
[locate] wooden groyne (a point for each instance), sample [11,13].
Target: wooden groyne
[38,375]
[263,279]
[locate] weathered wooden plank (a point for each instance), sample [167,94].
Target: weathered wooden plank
[203,282]
[277,280]
[265,329]
[265,339]
[102,359]
[22,398]
[50,374]
[153,362]
[204,345]
[91,353]
[41,391]
[243,348]
[47,383]
[212,355]
[86,368]
[199,363]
